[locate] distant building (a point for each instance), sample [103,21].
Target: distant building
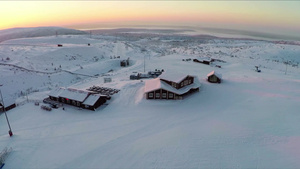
[214,77]
[151,74]
[9,104]
[171,86]
[107,79]
[79,98]
[124,63]
[204,60]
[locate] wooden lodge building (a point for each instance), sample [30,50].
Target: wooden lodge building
[79,98]
[214,77]
[8,103]
[171,86]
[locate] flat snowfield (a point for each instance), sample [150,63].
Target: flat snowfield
[250,120]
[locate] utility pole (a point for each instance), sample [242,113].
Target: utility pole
[144,63]
[286,63]
[10,131]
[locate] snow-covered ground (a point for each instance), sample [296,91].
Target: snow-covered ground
[251,120]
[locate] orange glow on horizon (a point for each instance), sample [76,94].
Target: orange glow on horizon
[68,13]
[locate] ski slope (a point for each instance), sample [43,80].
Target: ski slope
[250,120]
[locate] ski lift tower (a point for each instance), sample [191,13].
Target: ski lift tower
[286,64]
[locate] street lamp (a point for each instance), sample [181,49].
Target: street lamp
[10,131]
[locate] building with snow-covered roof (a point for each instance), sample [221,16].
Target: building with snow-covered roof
[93,101]
[54,94]
[80,98]
[9,103]
[171,86]
[214,77]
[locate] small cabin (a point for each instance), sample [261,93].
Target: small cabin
[214,77]
[59,45]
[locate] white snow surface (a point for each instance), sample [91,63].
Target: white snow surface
[250,120]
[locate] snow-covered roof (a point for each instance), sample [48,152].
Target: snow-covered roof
[56,92]
[155,84]
[92,99]
[8,101]
[173,76]
[215,73]
[74,94]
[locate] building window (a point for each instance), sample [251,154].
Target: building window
[74,103]
[186,82]
[190,81]
[86,106]
[171,95]
[164,95]
[78,104]
[68,101]
[62,100]
[157,95]
[181,84]
[174,84]
[150,95]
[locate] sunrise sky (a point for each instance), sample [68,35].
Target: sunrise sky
[266,16]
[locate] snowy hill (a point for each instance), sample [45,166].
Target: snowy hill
[250,120]
[16,33]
